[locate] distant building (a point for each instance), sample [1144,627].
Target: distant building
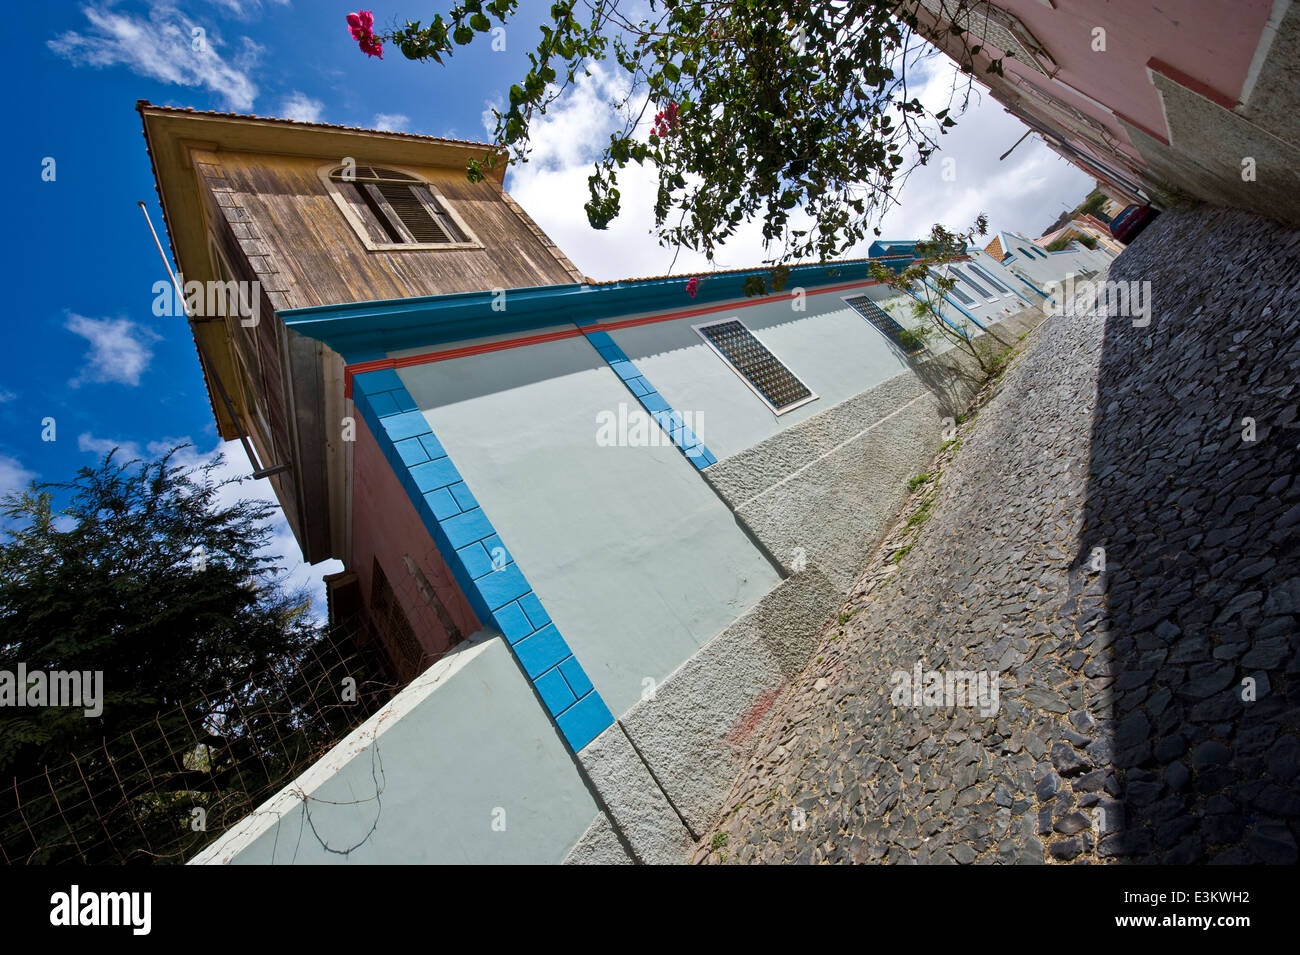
[1082,225]
[558,501]
[1152,99]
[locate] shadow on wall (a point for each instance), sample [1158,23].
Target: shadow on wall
[953,376]
[1199,518]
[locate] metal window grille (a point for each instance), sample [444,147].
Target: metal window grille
[989,279]
[971,283]
[961,296]
[883,321]
[987,24]
[763,372]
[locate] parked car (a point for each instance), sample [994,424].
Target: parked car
[1126,226]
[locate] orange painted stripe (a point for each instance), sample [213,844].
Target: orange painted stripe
[387,364]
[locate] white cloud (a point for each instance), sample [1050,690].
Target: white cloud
[1026,192]
[120,350]
[163,46]
[1022,193]
[552,186]
[13,476]
[302,107]
[295,573]
[6,395]
[99,447]
[245,9]
[393,122]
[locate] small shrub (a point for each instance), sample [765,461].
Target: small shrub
[912,340]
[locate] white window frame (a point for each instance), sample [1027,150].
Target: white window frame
[812,395]
[992,296]
[359,227]
[979,267]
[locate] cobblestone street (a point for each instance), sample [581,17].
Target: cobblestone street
[1143,710]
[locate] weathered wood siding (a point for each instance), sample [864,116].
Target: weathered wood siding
[320,260]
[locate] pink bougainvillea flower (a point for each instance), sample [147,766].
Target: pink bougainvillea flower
[693,285]
[362,27]
[665,123]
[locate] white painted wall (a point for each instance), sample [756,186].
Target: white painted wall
[1044,271]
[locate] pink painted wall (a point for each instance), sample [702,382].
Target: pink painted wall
[385,525]
[1211,41]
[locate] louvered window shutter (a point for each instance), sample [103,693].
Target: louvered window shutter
[405,205]
[405,210]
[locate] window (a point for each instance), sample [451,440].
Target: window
[885,323]
[987,24]
[757,367]
[395,210]
[971,283]
[989,279]
[1078,119]
[959,294]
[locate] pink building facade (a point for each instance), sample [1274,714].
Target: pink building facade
[1158,101]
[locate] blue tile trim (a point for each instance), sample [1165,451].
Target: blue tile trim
[651,400]
[500,595]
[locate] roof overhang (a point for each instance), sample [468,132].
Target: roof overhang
[367,331]
[170,135]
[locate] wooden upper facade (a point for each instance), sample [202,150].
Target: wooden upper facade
[322,215]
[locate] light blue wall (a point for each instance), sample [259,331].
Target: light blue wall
[635,558]
[425,780]
[830,347]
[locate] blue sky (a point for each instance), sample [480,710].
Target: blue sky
[84,347]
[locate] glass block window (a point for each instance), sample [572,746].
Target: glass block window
[979,290]
[988,278]
[961,296]
[762,371]
[885,322]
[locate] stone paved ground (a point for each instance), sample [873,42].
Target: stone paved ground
[1143,709]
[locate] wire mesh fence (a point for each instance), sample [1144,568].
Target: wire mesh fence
[161,792]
